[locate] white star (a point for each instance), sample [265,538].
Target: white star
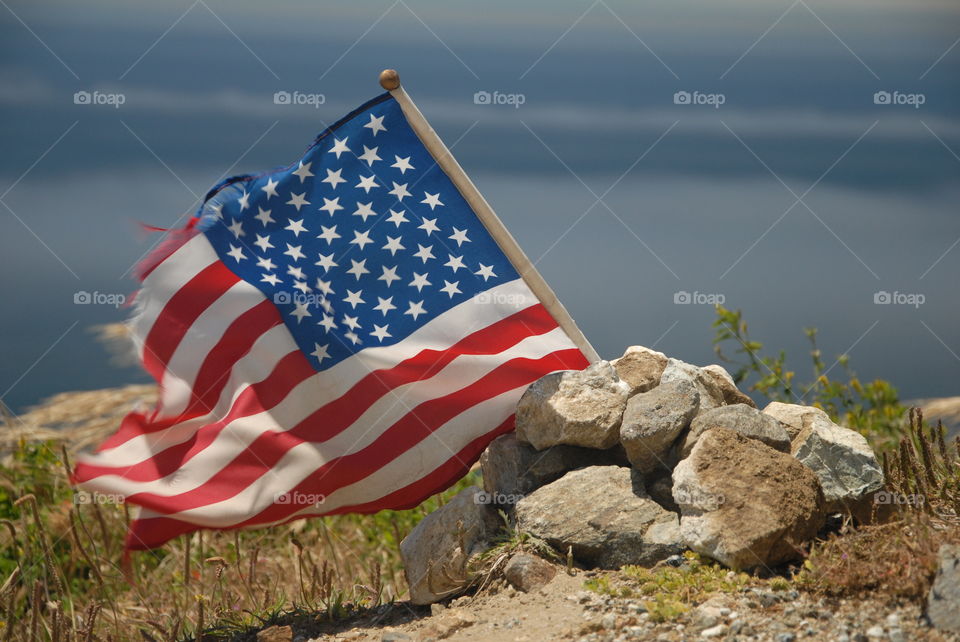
[326,262]
[298,200]
[358,269]
[300,311]
[296,227]
[303,172]
[270,278]
[320,352]
[400,191]
[424,253]
[237,228]
[393,244]
[389,275]
[450,288]
[455,262]
[380,333]
[264,216]
[397,218]
[339,147]
[353,337]
[419,281]
[361,239]
[415,309]
[385,305]
[334,178]
[295,272]
[324,286]
[266,263]
[364,210]
[236,253]
[216,209]
[294,252]
[376,124]
[486,271]
[244,201]
[350,322]
[330,205]
[326,305]
[429,226]
[270,188]
[329,233]
[433,200]
[263,242]
[367,183]
[327,323]
[460,236]
[369,155]
[353,298]
[403,164]
[302,286]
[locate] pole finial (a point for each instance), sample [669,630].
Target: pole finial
[389,79]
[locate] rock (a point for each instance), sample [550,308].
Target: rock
[660,489]
[394,636]
[943,602]
[714,631]
[653,420]
[527,572]
[447,624]
[711,396]
[841,458]
[577,408]
[275,634]
[743,503]
[876,632]
[741,419]
[641,368]
[791,415]
[731,394]
[512,469]
[605,514]
[438,551]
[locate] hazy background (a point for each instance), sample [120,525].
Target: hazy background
[694,198]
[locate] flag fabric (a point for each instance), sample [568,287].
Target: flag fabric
[341,335]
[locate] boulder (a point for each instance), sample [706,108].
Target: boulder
[711,396]
[641,368]
[791,415]
[512,468]
[741,419]
[573,407]
[438,551]
[943,602]
[653,420]
[605,515]
[841,458]
[743,503]
[731,394]
[527,572]
[660,489]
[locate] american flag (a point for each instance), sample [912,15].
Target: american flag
[341,335]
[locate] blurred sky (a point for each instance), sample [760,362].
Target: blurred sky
[797,200]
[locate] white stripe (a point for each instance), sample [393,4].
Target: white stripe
[301,460]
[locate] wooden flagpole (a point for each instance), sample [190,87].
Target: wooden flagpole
[390,80]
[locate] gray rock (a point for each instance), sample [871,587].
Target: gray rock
[731,394]
[943,603]
[792,415]
[438,551]
[842,459]
[641,368]
[741,419]
[711,396]
[660,489]
[743,503]
[653,420]
[526,572]
[605,515]
[512,468]
[577,408]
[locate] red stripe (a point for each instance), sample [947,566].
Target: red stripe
[321,425]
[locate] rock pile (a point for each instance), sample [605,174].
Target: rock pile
[634,460]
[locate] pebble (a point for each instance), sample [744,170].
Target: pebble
[876,632]
[893,620]
[786,637]
[714,631]
[609,621]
